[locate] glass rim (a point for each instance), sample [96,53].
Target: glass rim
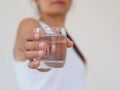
[50,27]
[37,29]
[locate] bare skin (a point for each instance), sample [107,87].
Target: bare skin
[25,48]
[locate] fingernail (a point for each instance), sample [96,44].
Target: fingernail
[40,53]
[41,45]
[36,35]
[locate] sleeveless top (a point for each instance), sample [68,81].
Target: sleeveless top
[71,77]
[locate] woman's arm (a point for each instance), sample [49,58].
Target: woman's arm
[26,27]
[25,48]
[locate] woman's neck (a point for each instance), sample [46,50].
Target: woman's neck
[53,21]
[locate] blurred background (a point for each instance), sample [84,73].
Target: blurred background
[94,25]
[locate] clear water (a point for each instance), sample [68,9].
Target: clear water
[55,53]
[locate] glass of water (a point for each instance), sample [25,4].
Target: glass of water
[55,52]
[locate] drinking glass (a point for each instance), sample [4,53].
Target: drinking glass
[55,52]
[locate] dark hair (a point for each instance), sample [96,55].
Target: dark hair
[77,50]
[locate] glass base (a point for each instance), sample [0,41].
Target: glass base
[51,64]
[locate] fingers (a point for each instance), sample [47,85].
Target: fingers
[33,48]
[69,43]
[33,64]
[35,45]
[34,54]
[33,36]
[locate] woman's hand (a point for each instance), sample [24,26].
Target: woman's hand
[33,48]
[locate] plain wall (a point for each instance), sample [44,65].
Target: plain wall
[94,25]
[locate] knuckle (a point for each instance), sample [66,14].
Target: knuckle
[26,36]
[35,45]
[25,45]
[28,45]
[26,54]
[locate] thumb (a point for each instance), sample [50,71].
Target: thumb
[69,43]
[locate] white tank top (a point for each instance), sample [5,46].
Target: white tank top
[71,77]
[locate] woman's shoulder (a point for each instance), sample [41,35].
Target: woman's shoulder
[29,20]
[28,25]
